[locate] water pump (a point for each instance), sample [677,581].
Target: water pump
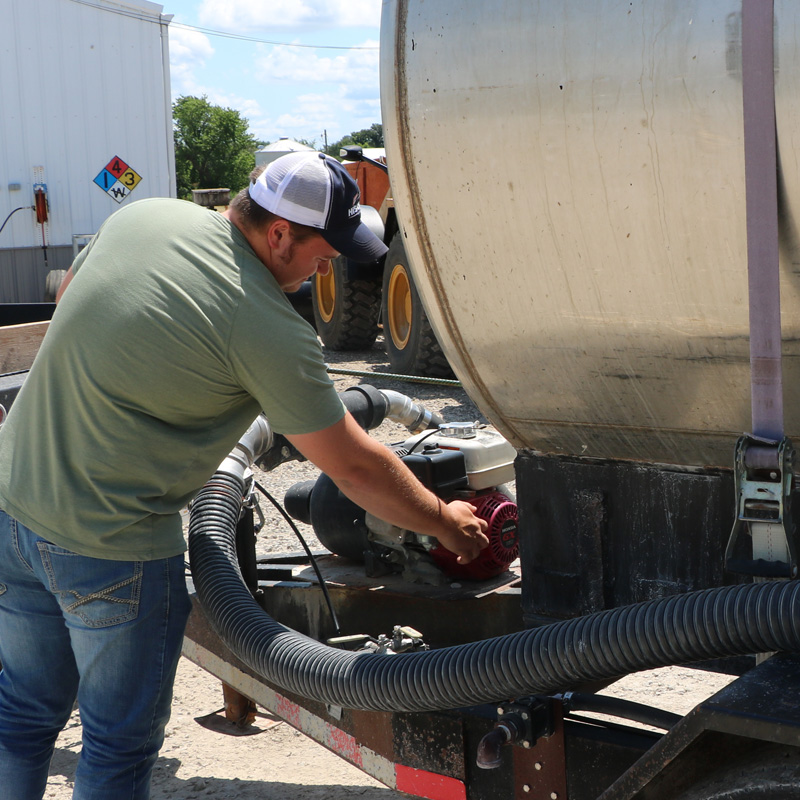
[464,461]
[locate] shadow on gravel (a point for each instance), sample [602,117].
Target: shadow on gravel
[167,786]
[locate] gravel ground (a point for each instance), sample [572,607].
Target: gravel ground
[202,759]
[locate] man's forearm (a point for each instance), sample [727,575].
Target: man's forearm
[386,488]
[378,481]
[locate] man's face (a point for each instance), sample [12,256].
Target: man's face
[301,260]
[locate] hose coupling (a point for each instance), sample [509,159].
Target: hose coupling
[404,410]
[257,440]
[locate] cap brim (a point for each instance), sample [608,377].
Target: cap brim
[358,243]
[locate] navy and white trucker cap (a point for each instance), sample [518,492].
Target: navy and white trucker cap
[313,189]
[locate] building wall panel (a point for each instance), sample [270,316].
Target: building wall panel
[81,82]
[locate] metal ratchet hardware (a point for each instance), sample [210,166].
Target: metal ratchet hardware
[764,483]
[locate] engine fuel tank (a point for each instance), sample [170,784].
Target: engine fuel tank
[570,181]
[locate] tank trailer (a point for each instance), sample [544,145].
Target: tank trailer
[598,204]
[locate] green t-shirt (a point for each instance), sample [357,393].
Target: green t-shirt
[170,340]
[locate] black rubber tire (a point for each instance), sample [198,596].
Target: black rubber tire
[52,284]
[769,773]
[346,311]
[411,344]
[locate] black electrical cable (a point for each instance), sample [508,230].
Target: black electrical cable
[422,439]
[322,584]
[161,20]
[21,208]
[618,707]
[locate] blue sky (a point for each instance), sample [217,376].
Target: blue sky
[281,89]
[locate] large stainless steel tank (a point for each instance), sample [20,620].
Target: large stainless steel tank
[570,179]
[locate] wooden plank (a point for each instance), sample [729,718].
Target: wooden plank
[19,345]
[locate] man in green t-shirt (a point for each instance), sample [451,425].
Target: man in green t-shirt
[172,333]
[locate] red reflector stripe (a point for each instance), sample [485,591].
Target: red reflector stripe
[429,784]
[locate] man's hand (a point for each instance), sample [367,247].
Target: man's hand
[466,535]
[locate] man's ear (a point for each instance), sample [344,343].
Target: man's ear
[279,236]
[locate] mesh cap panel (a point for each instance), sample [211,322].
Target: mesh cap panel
[313,189]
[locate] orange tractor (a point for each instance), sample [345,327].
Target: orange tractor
[353,300]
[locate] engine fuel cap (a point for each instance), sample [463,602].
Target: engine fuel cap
[459,430]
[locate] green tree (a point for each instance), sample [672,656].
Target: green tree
[213,148]
[369,137]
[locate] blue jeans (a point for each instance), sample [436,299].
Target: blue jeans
[108,633]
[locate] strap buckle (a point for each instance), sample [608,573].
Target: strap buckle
[764,481]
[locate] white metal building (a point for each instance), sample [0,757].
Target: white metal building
[85,118]
[267,154]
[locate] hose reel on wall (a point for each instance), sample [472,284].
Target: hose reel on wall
[41,209]
[41,206]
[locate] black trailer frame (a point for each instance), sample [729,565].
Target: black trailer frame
[433,754]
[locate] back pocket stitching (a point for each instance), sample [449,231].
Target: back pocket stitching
[80,600]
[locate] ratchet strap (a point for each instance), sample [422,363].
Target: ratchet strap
[764,459]
[761,191]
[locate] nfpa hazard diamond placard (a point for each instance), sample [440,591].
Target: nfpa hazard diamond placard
[117,179]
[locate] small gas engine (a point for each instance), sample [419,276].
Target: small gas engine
[457,461]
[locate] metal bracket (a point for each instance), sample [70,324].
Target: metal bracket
[532,716]
[251,503]
[764,481]
[523,722]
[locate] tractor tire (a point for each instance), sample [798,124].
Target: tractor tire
[769,773]
[410,341]
[346,310]
[52,284]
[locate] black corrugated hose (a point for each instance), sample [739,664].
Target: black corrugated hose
[708,624]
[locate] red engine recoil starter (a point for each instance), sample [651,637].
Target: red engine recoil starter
[501,517]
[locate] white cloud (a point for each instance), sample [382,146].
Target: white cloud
[189,46]
[298,92]
[245,15]
[248,108]
[188,52]
[309,116]
[337,94]
[352,67]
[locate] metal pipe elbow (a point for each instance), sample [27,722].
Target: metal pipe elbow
[256,440]
[489,747]
[404,410]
